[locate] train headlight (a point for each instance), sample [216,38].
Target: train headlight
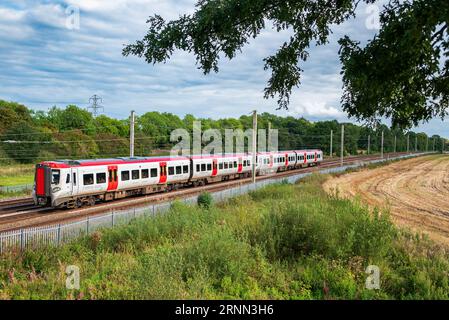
[56,189]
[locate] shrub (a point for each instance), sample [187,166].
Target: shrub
[205,200]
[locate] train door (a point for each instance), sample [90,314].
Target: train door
[74,181]
[112,178]
[66,182]
[163,172]
[286,159]
[214,167]
[305,157]
[271,161]
[316,156]
[240,168]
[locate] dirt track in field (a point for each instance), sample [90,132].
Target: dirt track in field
[415,190]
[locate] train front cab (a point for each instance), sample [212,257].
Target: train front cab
[42,185]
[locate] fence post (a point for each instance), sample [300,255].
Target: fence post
[112,218]
[59,234]
[87,226]
[1,243]
[21,240]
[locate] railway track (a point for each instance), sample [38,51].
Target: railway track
[20,213]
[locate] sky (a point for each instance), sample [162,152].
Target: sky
[64,52]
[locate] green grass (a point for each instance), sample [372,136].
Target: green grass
[18,174]
[281,242]
[7,181]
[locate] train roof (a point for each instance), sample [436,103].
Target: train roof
[123,160]
[111,161]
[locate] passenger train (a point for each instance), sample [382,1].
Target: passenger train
[75,183]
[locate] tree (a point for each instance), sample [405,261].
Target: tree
[403,73]
[11,113]
[223,27]
[23,144]
[71,118]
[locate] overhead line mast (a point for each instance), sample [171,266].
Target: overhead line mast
[95,104]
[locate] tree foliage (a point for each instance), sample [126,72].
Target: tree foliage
[26,151]
[403,73]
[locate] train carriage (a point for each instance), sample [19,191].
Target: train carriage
[74,183]
[213,168]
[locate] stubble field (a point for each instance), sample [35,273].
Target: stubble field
[416,191]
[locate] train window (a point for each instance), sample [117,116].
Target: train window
[209,167]
[153,172]
[135,174]
[171,171]
[244,163]
[88,179]
[67,180]
[115,175]
[203,167]
[101,177]
[235,164]
[197,168]
[220,166]
[110,175]
[178,170]
[145,173]
[55,176]
[125,175]
[74,179]
[249,163]
[225,165]
[185,169]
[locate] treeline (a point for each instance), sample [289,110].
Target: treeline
[27,135]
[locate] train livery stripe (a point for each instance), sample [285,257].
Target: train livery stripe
[40,181]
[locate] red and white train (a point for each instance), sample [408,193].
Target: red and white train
[74,183]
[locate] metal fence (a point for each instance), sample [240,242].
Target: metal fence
[55,235]
[25,187]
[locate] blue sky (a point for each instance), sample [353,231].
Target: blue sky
[45,63]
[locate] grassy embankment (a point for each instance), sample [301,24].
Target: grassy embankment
[15,175]
[282,242]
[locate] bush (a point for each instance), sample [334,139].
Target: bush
[205,200]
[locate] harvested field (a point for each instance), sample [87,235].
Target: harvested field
[416,191]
